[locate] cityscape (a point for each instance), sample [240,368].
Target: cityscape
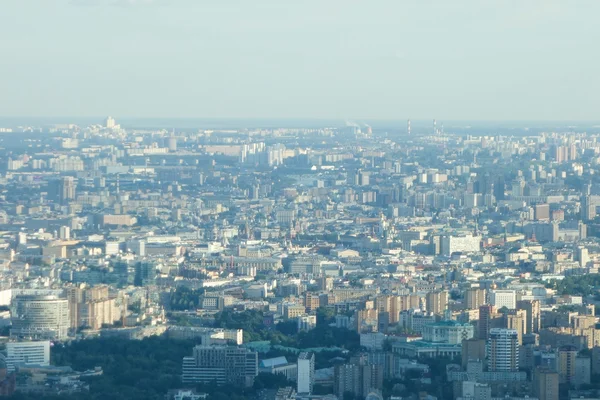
[299,200]
[348,262]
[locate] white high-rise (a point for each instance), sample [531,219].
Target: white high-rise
[306,372]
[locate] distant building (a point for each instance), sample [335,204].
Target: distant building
[503,350]
[27,353]
[220,364]
[40,318]
[306,373]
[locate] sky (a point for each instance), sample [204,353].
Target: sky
[341,59]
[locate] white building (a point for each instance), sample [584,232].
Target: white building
[28,353]
[306,322]
[306,372]
[503,298]
[460,244]
[451,332]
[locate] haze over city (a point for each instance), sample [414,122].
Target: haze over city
[299,200]
[335,59]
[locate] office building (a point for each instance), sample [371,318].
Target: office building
[225,365]
[40,318]
[503,298]
[503,350]
[27,353]
[306,373]
[460,244]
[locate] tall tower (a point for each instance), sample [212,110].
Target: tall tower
[503,350]
[306,372]
[434,127]
[408,127]
[66,189]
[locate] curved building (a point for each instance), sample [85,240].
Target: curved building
[40,318]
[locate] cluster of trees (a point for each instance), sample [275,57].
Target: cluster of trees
[183,298]
[286,334]
[578,285]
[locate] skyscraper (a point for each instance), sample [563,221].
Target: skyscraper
[66,189]
[306,373]
[503,350]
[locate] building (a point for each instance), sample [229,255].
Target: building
[516,321]
[503,350]
[545,384]
[533,315]
[358,377]
[541,212]
[220,364]
[450,332]
[567,356]
[306,373]
[66,189]
[472,350]
[475,298]
[437,302]
[460,244]
[503,298]
[306,322]
[27,353]
[40,318]
[279,365]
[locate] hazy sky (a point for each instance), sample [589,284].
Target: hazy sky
[371,59]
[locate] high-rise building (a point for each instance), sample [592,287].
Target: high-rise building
[516,320]
[541,212]
[27,353]
[474,298]
[359,377]
[40,318]
[437,302]
[503,350]
[582,256]
[567,356]
[472,350]
[390,305]
[64,233]
[66,189]
[532,316]
[487,318]
[221,364]
[545,384]
[306,373]
[110,123]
